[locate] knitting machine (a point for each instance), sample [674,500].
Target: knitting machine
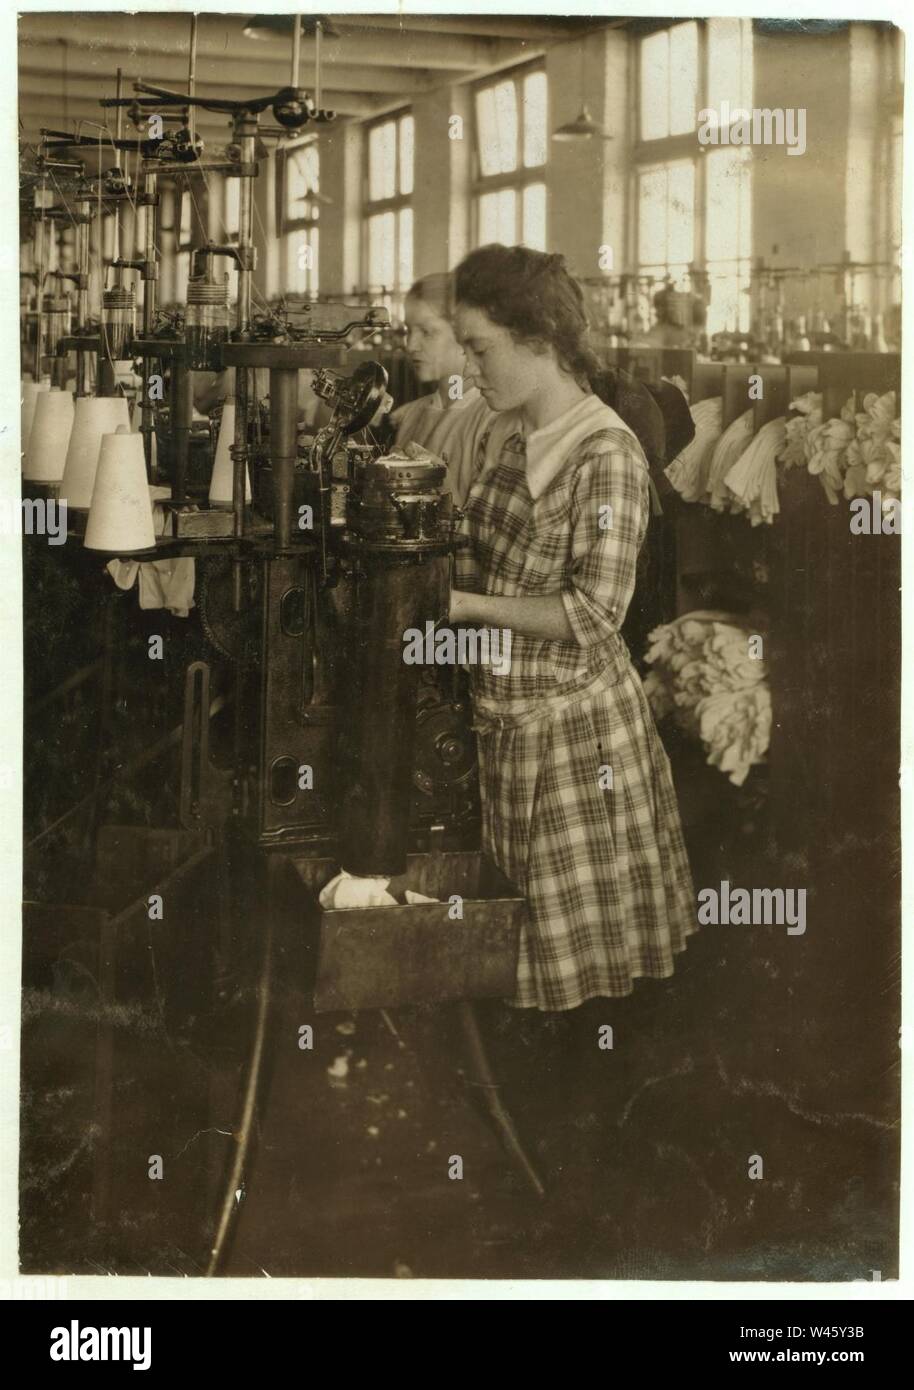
[342,755]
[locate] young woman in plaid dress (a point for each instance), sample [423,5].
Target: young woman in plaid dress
[577,798]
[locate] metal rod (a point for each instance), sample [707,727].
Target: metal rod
[119,206]
[296,49]
[283,449]
[246,132]
[40,268]
[182,411]
[482,1075]
[192,76]
[147,414]
[83,232]
[318,35]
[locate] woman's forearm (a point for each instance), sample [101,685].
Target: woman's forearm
[541,616]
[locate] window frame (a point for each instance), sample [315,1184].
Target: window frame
[308,218]
[306,226]
[397,203]
[521,176]
[671,149]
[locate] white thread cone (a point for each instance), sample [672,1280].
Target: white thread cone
[120,518]
[220,486]
[95,416]
[30,393]
[49,437]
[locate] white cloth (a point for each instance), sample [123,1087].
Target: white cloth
[347,891]
[162,583]
[688,471]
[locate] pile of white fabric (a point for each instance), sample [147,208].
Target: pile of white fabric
[688,472]
[735,438]
[347,890]
[752,482]
[709,675]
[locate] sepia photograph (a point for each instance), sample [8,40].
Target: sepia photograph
[459,523]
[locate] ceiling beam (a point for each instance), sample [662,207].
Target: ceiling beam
[222,38]
[169,70]
[504,26]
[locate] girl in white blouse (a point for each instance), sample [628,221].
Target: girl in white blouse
[451,420]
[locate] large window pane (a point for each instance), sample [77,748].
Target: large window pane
[666,214]
[534,215]
[498,217]
[302,248]
[407,144]
[535,119]
[728,229]
[681,212]
[302,179]
[669,81]
[381,250]
[729,64]
[655,84]
[728,310]
[683,89]
[496,123]
[652,217]
[382,161]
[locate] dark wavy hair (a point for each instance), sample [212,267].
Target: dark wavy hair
[535,297]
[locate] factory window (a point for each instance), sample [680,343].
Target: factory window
[298,216]
[728,237]
[693,202]
[510,191]
[669,81]
[389,179]
[666,219]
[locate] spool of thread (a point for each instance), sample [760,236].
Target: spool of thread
[220,486]
[95,416]
[30,393]
[120,517]
[49,437]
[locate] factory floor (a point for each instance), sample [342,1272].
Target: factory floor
[740,1127]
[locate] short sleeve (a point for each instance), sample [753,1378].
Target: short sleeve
[609,513]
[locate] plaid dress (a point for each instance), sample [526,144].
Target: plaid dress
[578,804]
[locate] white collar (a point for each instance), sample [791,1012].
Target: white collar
[549,447]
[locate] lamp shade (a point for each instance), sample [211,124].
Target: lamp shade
[220,487]
[120,517]
[583,127]
[95,416]
[49,437]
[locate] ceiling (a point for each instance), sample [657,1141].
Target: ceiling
[375,62]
